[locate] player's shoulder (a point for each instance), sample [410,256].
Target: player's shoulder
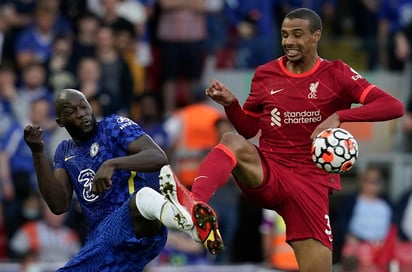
[116,119]
[270,65]
[342,70]
[268,69]
[111,118]
[337,64]
[67,142]
[118,122]
[65,146]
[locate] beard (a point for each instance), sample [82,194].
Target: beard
[82,135]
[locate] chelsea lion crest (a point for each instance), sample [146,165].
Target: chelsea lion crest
[94,148]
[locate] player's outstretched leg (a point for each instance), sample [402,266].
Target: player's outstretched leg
[153,205]
[204,217]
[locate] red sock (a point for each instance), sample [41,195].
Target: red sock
[213,173]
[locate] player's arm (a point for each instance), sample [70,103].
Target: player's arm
[54,186]
[145,156]
[377,105]
[244,124]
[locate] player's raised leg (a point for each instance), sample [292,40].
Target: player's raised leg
[153,205]
[204,217]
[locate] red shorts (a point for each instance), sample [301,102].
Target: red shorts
[297,197]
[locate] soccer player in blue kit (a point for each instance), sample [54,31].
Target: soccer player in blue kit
[104,164]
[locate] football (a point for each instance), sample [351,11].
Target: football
[335,150]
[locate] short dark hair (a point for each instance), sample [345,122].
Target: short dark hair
[314,19]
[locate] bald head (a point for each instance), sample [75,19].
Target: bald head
[75,114]
[65,96]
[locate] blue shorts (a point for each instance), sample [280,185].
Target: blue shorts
[113,246]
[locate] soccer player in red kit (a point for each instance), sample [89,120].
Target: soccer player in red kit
[291,100]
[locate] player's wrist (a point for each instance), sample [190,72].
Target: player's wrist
[230,103]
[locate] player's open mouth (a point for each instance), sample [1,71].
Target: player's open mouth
[292,52]
[86,123]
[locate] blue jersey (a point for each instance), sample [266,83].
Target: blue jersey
[111,244]
[81,161]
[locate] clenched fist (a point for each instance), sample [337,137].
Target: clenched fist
[33,136]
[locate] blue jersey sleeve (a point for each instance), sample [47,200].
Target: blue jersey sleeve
[123,130]
[58,157]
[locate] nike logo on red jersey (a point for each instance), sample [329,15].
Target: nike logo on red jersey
[276,91]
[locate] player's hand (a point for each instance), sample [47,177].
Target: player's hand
[33,136]
[103,178]
[332,121]
[220,93]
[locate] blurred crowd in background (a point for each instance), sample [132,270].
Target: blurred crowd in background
[145,59]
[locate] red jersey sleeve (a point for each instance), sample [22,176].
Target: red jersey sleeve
[378,105]
[246,125]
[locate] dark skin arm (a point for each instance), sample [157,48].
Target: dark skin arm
[55,187]
[145,156]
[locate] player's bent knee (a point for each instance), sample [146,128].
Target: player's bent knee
[236,143]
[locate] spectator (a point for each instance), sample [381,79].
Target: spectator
[219,42]
[18,181]
[403,215]
[276,252]
[181,33]
[84,44]
[144,48]
[406,125]
[90,82]
[116,78]
[148,112]
[19,13]
[33,86]
[76,220]
[126,44]
[34,43]
[73,9]
[61,64]
[137,12]
[325,8]
[7,36]
[395,18]
[48,238]
[366,215]
[192,134]
[88,76]
[114,12]
[8,93]
[365,16]
[256,23]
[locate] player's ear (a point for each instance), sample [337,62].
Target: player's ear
[59,122]
[317,35]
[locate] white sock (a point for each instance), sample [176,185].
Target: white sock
[149,203]
[152,205]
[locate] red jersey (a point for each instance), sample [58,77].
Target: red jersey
[288,107]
